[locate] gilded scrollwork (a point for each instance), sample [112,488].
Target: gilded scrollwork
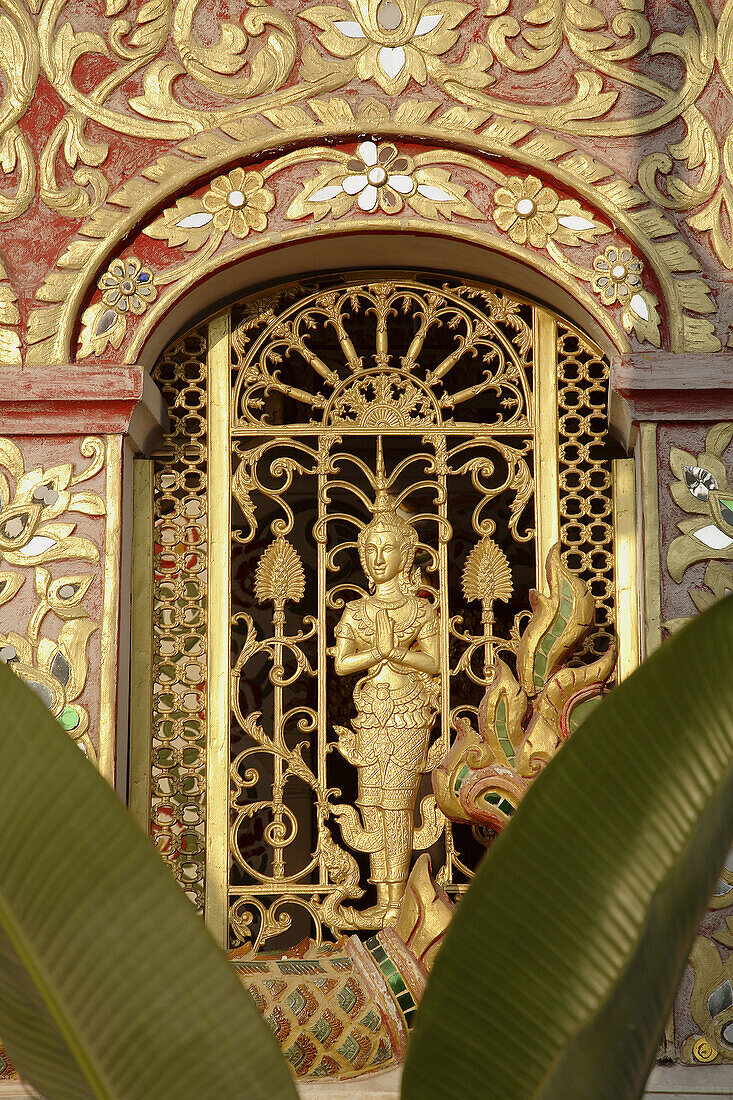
[361,396]
[268,81]
[163,77]
[275,344]
[9,318]
[35,535]
[255,55]
[701,489]
[713,153]
[265,53]
[163,81]
[19,68]
[651,235]
[384,179]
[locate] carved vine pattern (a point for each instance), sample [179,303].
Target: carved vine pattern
[275,63]
[378,177]
[264,58]
[37,532]
[702,490]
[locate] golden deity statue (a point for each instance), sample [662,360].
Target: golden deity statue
[391,635]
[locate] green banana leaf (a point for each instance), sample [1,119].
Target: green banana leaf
[559,969]
[110,986]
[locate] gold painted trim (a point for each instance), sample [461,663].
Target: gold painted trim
[255,245]
[624,552]
[649,500]
[110,609]
[545,417]
[141,649]
[217,629]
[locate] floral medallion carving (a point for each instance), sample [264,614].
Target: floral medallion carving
[349,185]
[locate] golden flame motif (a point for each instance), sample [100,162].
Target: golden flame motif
[279,577]
[486,574]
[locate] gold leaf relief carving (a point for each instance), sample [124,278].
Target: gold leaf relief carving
[9,318]
[702,490]
[128,288]
[391,56]
[531,212]
[380,177]
[19,69]
[711,999]
[449,43]
[34,534]
[715,219]
[691,333]
[641,317]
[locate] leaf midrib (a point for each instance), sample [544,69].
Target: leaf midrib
[53,1002]
[602,1002]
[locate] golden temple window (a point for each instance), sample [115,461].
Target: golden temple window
[362,480]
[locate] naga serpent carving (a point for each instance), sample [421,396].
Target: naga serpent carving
[523,722]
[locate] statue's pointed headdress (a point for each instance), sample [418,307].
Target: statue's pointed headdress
[384,504]
[385,514]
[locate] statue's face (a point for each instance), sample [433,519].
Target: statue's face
[382,555]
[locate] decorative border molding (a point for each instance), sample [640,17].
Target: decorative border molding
[69,400]
[661,385]
[661,246]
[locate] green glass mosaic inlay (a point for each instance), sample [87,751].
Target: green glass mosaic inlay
[459,778]
[393,977]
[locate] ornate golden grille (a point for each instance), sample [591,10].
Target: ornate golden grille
[586,505]
[464,420]
[179,730]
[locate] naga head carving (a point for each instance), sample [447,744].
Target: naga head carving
[523,721]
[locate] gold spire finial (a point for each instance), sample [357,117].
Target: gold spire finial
[383,502]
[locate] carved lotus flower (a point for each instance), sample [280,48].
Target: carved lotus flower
[393,41]
[128,286]
[532,213]
[617,275]
[526,210]
[279,577]
[378,176]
